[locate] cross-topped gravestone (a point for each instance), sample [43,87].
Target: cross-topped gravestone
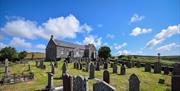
[134,83]
[91,71]
[106,76]
[157,65]
[123,70]
[102,86]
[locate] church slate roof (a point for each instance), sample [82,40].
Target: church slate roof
[68,44]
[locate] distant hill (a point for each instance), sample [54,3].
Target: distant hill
[36,55]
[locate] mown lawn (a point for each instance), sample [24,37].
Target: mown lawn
[149,81]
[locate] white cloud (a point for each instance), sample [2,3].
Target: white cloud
[93,40]
[168,47]
[123,52]
[2,45]
[136,18]
[17,42]
[137,31]
[110,36]
[63,27]
[165,33]
[41,46]
[117,47]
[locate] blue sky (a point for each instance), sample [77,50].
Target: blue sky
[126,26]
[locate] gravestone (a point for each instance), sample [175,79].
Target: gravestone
[37,64]
[80,84]
[123,70]
[134,83]
[114,68]
[133,64]
[176,77]
[6,71]
[80,66]
[64,68]
[75,65]
[102,86]
[91,71]
[87,66]
[138,65]
[112,65]
[106,76]
[50,86]
[129,64]
[105,65]
[98,66]
[67,83]
[148,67]
[166,70]
[52,68]
[157,67]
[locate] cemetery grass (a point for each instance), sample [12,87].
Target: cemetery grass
[149,81]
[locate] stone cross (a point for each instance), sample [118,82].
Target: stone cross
[80,84]
[102,86]
[106,76]
[6,62]
[67,83]
[91,71]
[50,86]
[134,83]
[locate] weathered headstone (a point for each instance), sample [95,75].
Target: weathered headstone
[80,66]
[80,84]
[52,68]
[91,71]
[37,63]
[166,70]
[134,83]
[115,68]
[64,68]
[106,76]
[176,77]
[157,67]
[98,66]
[129,64]
[123,70]
[138,64]
[50,86]
[102,86]
[105,65]
[148,67]
[67,83]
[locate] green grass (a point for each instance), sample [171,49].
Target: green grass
[149,81]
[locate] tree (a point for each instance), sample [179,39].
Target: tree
[8,52]
[22,55]
[104,52]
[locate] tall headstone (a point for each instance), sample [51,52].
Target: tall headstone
[115,68]
[103,86]
[106,76]
[176,77]
[6,72]
[157,65]
[91,71]
[129,64]
[105,65]
[67,83]
[50,86]
[64,68]
[134,83]
[98,66]
[80,84]
[147,67]
[123,70]
[52,68]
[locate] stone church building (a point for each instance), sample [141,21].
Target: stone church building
[56,49]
